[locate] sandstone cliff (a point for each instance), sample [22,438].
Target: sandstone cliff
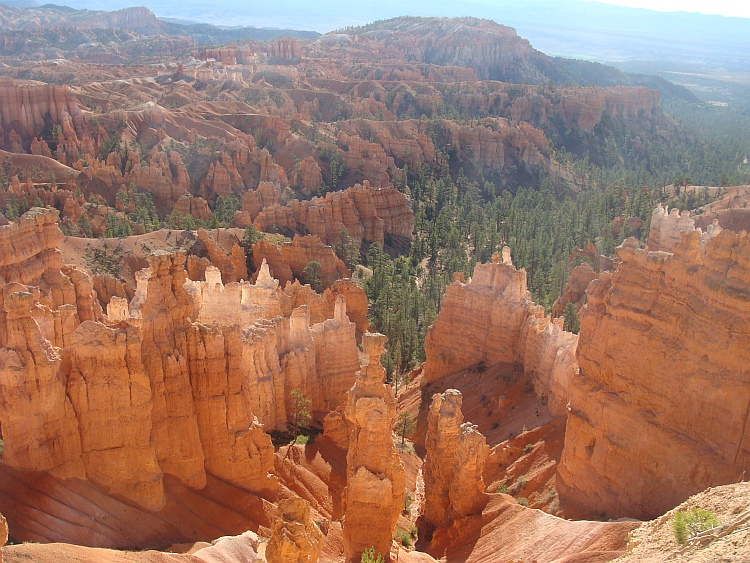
[374,494]
[363,212]
[499,323]
[288,260]
[184,380]
[658,411]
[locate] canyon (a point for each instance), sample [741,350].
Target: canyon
[196,244]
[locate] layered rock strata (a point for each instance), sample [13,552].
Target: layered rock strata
[491,319]
[362,211]
[184,380]
[294,536]
[660,407]
[289,260]
[454,464]
[374,494]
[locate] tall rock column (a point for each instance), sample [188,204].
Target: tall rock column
[456,452]
[38,421]
[165,308]
[660,409]
[443,422]
[374,494]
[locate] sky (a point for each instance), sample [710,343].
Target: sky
[734,8]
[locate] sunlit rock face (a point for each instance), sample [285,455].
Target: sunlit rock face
[658,411]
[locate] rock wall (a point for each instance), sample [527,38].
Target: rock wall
[42,305]
[454,463]
[374,494]
[659,410]
[491,319]
[184,380]
[288,260]
[362,211]
[23,109]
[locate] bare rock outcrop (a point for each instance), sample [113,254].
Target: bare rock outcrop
[374,494]
[454,464]
[288,260]
[363,211]
[112,400]
[667,228]
[163,317]
[659,409]
[294,536]
[499,323]
[575,289]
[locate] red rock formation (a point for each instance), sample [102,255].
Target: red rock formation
[285,48]
[112,400]
[288,260]
[24,107]
[163,306]
[266,195]
[575,289]
[235,446]
[336,359]
[40,430]
[374,494]
[456,454]
[356,302]
[232,266]
[500,323]
[363,212]
[294,537]
[658,411]
[667,228]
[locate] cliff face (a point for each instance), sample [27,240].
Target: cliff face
[184,380]
[374,494]
[42,305]
[23,110]
[659,409]
[288,260]
[491,319]
[363,212]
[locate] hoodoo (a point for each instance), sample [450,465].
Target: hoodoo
[374,494]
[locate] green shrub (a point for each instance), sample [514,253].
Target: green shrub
[407,501]
[527,448]
[405,538]
[368,556]
[502,488]
[689,524]
[523,501]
